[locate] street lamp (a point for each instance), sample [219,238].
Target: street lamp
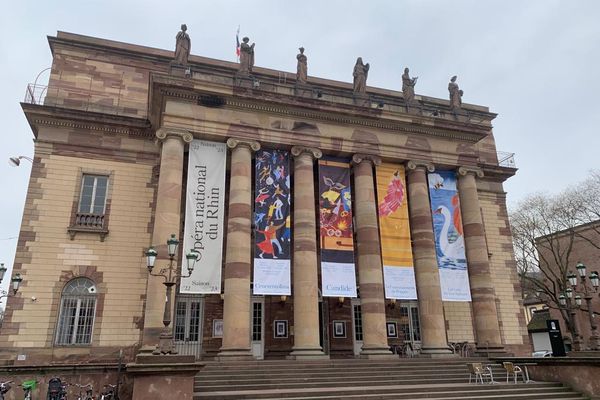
[594,341]
[16,161]
[565,302]
[170,276]
[16,282]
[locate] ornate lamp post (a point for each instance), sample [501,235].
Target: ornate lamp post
[565,301]
[594,341]
[170,275]
[16,282]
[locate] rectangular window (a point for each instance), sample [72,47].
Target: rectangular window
[256,322]
[93,194]
[358,331]
[76,320]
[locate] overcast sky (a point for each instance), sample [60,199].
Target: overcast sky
[535,63]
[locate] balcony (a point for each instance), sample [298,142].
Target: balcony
[88,223]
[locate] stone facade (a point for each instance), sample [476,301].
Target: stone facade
[127,112]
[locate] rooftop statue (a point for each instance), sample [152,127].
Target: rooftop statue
[408,86]
[455,94]
[246,56]
[302,69]
[361,71]
[183,45]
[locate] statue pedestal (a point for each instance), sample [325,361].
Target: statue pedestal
[303,90]
[163,377]
[362,100]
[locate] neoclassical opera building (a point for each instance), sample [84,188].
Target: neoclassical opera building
[313,218]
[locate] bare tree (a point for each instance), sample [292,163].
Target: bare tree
[545,230]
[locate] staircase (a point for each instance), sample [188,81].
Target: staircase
[408,379]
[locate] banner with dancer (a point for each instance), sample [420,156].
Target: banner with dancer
[394,233]
[272,224]
[338,277]
[449,238]
[204,209]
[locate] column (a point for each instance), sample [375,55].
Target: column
[167,220]
[370,271]
[238,253]
[431,309]
[482,288]
[306,292]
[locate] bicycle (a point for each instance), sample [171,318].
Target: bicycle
[4,388]
[57,390]
[89,392]
[108,394]
[28,386]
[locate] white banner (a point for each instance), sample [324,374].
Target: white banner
[205,202]
[272,277]
[338,279]
[399,282]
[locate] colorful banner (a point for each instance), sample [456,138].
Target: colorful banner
[205,202]
[394,232]
[449,239]
[272,224]
[338,277]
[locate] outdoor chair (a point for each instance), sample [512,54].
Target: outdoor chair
[514,370]
[480,372]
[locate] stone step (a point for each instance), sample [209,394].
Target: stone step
[447,391]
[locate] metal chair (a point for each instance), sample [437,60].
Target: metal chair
[479,372]
[514,370]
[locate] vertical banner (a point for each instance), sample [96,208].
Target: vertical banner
[272,223]
[204,208]
[449,238]
[338,277]
[394,232]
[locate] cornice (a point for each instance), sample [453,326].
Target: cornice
[40,115]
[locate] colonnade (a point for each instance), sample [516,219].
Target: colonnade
[237,273]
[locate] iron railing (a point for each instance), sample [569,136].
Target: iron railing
[506,159]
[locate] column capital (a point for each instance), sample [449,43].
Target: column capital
[414,164]
[312,151]
[253,145]
[464,171]
[358,158]
[163,133]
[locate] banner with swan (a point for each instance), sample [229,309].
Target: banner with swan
[338,277]
[449,238]
[394,233]
[272,223]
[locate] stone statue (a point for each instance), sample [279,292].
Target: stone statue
[361,71]
[183,45]
[455,94]
[246,56]
[302,69]
[408,86]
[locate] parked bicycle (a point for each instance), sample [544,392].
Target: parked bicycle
[28,386]
[109,393]
[89,392]
[4,388]
[57,390]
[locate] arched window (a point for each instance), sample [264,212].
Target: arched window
[77,311]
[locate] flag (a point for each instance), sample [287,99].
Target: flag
[237,43]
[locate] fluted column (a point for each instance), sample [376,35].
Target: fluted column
[167,220]
[306,292]
[370,272]
[431,309]
[238,253]
[483,295]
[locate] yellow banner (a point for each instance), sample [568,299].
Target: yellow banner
[394,232]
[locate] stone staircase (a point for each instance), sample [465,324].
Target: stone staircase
[408,379]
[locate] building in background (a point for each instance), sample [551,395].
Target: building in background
[328,221]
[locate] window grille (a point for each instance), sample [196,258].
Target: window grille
[358,331]
[416,326]
[77,311]
[256,322]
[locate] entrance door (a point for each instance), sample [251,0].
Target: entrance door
[357,322]
[188,325]
[258,332]
[410,325]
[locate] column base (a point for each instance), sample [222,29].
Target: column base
[307,353]
[378,353]
[436,352]
[226,355]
